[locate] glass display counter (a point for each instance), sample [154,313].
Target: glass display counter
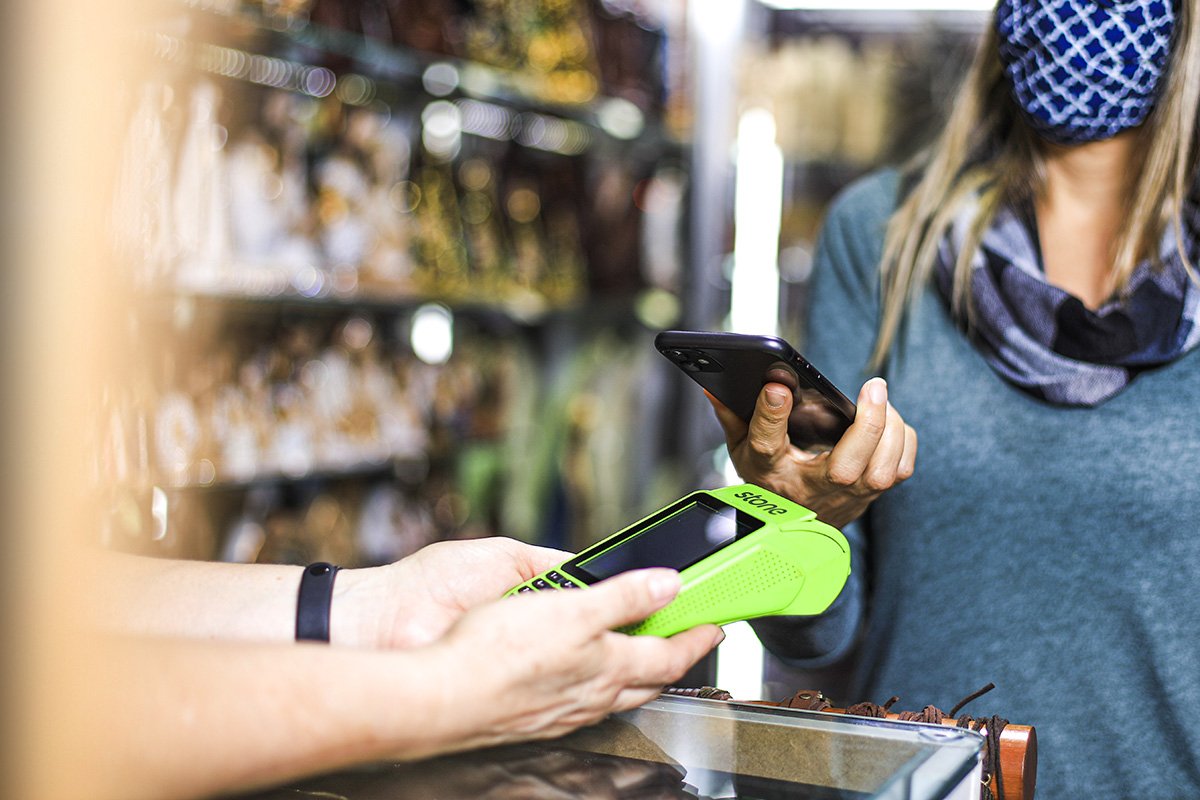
[679,747]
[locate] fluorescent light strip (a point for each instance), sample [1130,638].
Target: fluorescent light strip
[880,5]
[757,208]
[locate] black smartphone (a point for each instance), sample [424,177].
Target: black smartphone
[734,367]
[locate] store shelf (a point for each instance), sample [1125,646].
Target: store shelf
[318,473]
[282,54]
[531,311]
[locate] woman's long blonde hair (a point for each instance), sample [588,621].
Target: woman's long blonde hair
[988,155]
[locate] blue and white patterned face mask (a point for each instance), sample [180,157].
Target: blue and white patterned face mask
[1084,70]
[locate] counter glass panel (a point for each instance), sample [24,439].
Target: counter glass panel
[679,747]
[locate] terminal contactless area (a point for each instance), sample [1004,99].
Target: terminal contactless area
[742,552]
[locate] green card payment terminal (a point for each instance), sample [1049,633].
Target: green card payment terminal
[741,552]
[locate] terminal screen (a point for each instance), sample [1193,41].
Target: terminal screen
[678,541]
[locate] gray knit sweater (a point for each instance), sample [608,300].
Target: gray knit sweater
[1054,551]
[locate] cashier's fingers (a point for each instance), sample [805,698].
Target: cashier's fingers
[645,661]
[628,597]
[848,461]
[653,662]
[634,697]
[640,666]
[531,560]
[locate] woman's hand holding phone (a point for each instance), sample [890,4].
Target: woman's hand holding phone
[875,453]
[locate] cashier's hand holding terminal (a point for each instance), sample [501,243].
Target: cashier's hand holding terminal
[875,453]
[550,662]
[415,600]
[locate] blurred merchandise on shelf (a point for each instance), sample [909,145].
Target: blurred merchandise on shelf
[849,95]
[141,225]
[662,200]
[856,98]
[379,304]
[309,198]
[565,51]
[329,438]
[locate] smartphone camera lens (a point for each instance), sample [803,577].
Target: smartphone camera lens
[693,360]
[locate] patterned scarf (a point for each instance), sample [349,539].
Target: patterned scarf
[1045,340]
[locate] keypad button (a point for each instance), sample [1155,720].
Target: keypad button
[541,584]
[525,589]
[560,579]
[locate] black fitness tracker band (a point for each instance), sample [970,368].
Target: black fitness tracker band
[312,607]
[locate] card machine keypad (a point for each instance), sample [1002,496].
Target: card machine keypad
[549,581]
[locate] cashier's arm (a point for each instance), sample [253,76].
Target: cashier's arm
[404,604]
[187,718]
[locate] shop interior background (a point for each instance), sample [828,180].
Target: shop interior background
[394,267]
